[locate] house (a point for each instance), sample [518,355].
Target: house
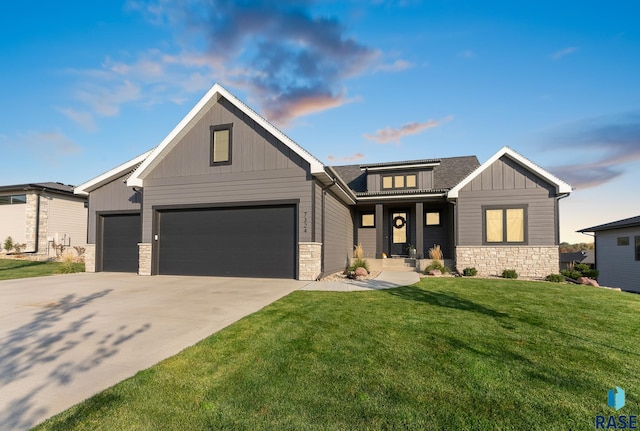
[41,214]
[617,247]
[227,193]
[587,257]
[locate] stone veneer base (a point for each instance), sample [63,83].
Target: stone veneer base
[144,258]
[309,260]
[90,258]
[527,261]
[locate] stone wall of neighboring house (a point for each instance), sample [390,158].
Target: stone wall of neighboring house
[309,260]
[528,261]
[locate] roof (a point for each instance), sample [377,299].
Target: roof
[46,186]
[446,174]
[192,118]
[561,186]
[583,256]
[107,177]
[627,222]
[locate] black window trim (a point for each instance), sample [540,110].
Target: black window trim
[12,199]
[363,213]
[504,241]
[636,242]
[217,128]
[622,241]
[392,176]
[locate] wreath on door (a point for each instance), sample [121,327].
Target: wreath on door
[399,222]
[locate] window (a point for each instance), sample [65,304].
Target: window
[505,225]
[12,200]
[367,220]
[637,240]
[623,240]
[402,181]
[221,144]
[432,218]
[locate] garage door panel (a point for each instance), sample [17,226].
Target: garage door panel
[121,234]
[239,242]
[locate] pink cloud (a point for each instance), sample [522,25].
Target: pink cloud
[351,158]
[389,134]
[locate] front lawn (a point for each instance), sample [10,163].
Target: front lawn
[10,268]
[445,354]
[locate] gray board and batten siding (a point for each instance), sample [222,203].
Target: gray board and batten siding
[338,235]
[263,169]
[113,196]
[506,183]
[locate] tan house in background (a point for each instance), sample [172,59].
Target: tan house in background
[41,214]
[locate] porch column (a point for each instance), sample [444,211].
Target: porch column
[419,230]
[379,220]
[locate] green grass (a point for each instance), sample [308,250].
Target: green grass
[455,354]
[10,268]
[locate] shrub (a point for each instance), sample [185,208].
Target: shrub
[554,278]
[358,252]
[436,264]
[509,273]
[69,265]
[571,273]
[469,272]
[359,263]
[435,253]
[18,248]
[580,270]
[8,244]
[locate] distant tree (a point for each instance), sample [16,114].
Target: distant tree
[565,247]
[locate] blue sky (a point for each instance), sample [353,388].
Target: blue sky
[88,85]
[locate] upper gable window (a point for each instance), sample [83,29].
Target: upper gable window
[221,144]
[400,181]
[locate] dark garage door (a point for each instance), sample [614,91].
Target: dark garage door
[121,234]
[234,242]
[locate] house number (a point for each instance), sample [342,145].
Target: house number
[304,222]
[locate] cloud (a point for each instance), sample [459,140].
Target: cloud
[291,61]
[396,66]
[82,118]
[351,158]
[563,52]
[49,145]
[388,135]
[615,142]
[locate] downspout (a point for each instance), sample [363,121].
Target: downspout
[35,250]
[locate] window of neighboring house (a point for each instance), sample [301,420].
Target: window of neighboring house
[623,240]
[12,200]
[505,225]
[432,218]
[401,181]
[221,144]
[367,220]
[637,240]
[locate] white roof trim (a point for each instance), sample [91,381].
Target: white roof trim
[100,180]
[561,186]
[198,111]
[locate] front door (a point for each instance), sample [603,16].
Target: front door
[399,232]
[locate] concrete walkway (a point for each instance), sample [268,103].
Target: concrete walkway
[386,280]
[64,338]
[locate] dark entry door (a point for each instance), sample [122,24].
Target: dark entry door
[399,232]
[234,242]
[121,234]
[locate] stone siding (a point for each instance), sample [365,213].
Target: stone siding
[90,258]
[31,217]
[144,258]
[309,260]
[528,261]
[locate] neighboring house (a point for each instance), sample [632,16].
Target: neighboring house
[227,193]
[617,247]
[40,214]
[568,260]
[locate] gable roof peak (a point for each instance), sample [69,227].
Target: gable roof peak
[197,112]
[561,187]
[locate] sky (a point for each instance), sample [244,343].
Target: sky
[86,86]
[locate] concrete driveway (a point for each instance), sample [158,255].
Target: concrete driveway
[64,338]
